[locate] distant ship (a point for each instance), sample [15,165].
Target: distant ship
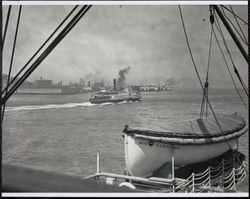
[114,96]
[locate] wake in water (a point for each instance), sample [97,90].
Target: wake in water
[56,106]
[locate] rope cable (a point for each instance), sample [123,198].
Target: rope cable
[206,84]
[197,73]
[211,18]
[235,69]
[244,41]
[6,24]
[208,66]
[230,73]
[238,24]
[48,50]
[13,54]
[47,40]
[235,15]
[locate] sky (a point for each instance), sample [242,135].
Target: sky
[149,39]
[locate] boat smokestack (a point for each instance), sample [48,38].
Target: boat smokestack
[114,84]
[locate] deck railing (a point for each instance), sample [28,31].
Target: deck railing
[225,176]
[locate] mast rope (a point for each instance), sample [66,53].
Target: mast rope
[12,54]
[238,24]
[48,50]
[6,24]
[206,84]
[197,73]
[230,73]
[245,22]
[47,40]
[225,44]
[243,39]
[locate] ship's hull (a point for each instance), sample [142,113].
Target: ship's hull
[100,101]
[115,97]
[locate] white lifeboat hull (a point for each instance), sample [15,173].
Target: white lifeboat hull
[143,156]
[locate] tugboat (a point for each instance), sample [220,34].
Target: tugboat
[115,96]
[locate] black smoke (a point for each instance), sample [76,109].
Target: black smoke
[121,82]
[171,82]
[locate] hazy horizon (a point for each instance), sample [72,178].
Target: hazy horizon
[147,39]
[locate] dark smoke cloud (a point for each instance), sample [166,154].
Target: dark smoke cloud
[122,77]
[171,81]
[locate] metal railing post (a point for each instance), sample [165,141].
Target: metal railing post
[173,178]
[209,176]
[98,161]
[234,185]
[234,171]
[222,179]
[193,182]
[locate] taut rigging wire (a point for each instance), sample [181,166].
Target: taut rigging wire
[206,84]
[235,69]
[197,73]
[13,53]
[51,35]
[231,32]
[235,15]
[243,38]
[229,69]
[48,50]
[238,24]
[6,25]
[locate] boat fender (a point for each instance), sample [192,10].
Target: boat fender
[150,143]
[127,184]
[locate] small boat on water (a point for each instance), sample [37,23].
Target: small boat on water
[115,96]
[188,142]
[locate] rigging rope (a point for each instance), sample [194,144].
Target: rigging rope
[47,40]
[235,15]
[13,53]
[243,39]
[231,32]
[48,50]
[206,84]
[239,25]
[6,25]
[229,69]
[235,69]
[197,73]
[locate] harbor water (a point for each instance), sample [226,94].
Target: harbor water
[61,133]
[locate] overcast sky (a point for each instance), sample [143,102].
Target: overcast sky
[148,39]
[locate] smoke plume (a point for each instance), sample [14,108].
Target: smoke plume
[122,77]
[171,81]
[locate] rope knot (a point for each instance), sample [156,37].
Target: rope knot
[211,18]
[206,84]
[211,15]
